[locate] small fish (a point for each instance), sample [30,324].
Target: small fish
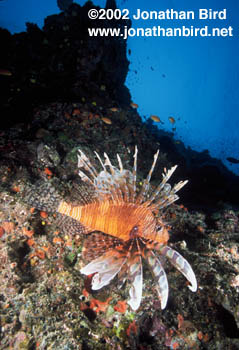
[114,109]
[134,105]
[156,119]
[106,120]
[76,111]
[171,119]
[233,160]
[5,72]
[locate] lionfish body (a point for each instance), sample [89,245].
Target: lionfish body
[131,231]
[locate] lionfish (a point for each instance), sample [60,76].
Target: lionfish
[130,229]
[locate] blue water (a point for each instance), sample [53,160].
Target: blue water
[194,80]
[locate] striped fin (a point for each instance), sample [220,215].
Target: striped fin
[160,277]
[165,201]
[116,184]
[122,180]
[67,224]
[136,277]
[145,187]
[166,196]
[166,175]
[81,193]
[85,163]
[134,175]
[97,244]
[108,162]
[105,182]
[179,185]
[123,275]
[105,268]
[119,187]
[119,184]
[125,182]
[171,197]
[181,264]
[124,272]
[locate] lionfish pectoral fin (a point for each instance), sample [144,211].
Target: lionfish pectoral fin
[160,277]
[122,276]
[136,276]
[181,264]
[97,243]
[106,268]
[101,279]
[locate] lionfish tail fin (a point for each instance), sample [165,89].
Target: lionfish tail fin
[160,277]
[135,272]
[67,224]
[42,196]
[181,264]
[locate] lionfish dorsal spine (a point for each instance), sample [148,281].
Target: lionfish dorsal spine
[121,168]
[117,184]
[179,185]
[134,174]
[84,162]
[126,188]
[85,178]
[145,187]
[166,198]
[108,162]
[166,176]
[100,160]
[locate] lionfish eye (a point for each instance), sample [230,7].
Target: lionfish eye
[134,232]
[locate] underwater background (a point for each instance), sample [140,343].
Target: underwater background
[194,80]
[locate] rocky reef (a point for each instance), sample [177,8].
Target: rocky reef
[66,91]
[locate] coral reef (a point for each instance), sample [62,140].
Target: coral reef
[64,4]
[45,301]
